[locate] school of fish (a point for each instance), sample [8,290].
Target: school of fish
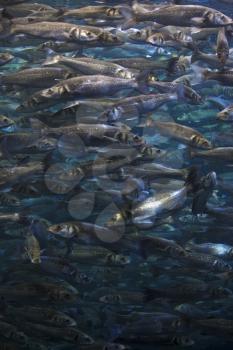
[116,168]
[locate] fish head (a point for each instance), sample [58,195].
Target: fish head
[52,60]
[112,115]
[221,292]
[114,346]
[181,36]
[79,337]
[152,78]
[123,136]
[87,35]
[137,34]
[226,114]
[54,92]
[48,45]
[65,230]
[6,57]
[46,144]
[110,38]
[113,12]
[182,340]
[156,39]
[81,34]
[117,259]
[209,181]
[200,141]
[61,319]
[20,337]
[29,105]
[118,219]
[125,74]
[216,18]
[65,294]
[5,121]
[110,299]
[149,151]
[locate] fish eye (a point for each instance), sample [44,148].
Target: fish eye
[114,38]
[67,296]
[76,337]
[138,34]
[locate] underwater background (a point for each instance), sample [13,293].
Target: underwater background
[116,154]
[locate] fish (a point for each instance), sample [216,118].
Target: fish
[91,66]
[57,30]
[32,248]
[183,15]
[5,57]
[36,77]
[226,114]
[70,334]
[222,46]
[137,105]
[210,59]
[95,85]
[149,245]
[146,63]
[115,204]
[181,133]
[6,121]
[223,154]
[146,213]
[207,261]
[25,10]
[217,249]
[96,12]
[40,314]
[224,77]
[44,290]
[85,231]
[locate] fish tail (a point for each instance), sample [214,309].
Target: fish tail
[196,55]
[128,14]
[192,178]
[142,80]
[144,247]
[6,25]
[189,154]
[150,294]
[39,126]
[201,73]
[52,60]
[172,64]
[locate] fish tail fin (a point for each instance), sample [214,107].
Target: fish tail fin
[201,73]
[142,80]
[189,154]
[150,294]
[180,91]
[192,178]
[6,25]
[144,247]
[172,64]
[128,14]
[52,60]
[196,55]
[38,126]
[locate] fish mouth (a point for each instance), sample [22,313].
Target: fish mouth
[222,116]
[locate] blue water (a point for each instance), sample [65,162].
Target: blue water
[101,277]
